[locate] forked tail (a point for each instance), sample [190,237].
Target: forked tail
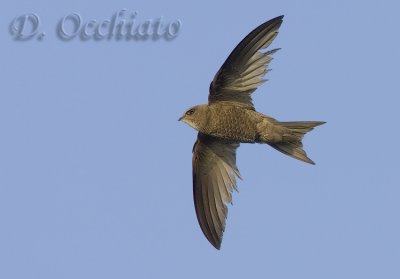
[291,144]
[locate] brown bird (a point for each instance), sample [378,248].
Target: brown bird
[229,119]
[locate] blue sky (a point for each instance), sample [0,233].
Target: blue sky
[95,170]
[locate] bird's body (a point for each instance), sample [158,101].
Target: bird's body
[229,119]
[240,124]
[229,122]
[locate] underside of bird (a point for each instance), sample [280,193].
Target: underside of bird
[229,119]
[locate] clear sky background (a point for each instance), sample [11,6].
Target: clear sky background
[95,170]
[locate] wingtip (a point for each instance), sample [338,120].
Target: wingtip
[279,18]
[277,21]
[306,160]
[217,245]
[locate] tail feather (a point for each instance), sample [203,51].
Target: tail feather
[291,144]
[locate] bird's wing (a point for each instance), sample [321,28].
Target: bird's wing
[245,67]
[214,178]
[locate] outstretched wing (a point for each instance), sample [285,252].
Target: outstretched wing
[245,67]
[214,178]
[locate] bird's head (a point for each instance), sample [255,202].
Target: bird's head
[195,117]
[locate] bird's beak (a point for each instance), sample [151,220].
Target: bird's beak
[180,118]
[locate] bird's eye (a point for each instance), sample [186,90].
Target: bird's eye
[190,112]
